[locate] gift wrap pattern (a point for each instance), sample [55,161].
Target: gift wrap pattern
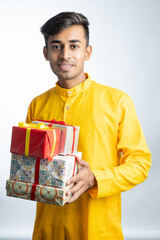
[51,173]
[39,193]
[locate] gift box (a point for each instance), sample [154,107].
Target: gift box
[69,135]
[39,193]
[35,142]
[41,171]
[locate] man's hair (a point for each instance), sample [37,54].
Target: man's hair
[63,20]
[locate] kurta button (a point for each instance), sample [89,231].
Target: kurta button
[67,107]
[69,92]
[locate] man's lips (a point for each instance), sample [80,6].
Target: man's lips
[65,66]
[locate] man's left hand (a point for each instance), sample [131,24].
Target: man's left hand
[83,181]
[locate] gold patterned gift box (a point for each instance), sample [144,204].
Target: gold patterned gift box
[39,193]
[41,171]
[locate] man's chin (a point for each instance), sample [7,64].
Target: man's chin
[66,76]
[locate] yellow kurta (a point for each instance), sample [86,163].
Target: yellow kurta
[112,142]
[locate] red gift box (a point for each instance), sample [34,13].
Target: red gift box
[42,143]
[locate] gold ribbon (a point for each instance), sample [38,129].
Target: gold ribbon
[28,131]
[41,126]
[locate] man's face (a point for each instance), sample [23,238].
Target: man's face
[67,52]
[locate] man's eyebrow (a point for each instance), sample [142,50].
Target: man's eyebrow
[74,41]
[55,41]
[71,41]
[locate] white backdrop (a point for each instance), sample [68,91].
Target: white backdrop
[125,35]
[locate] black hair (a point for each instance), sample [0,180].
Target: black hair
[63,20]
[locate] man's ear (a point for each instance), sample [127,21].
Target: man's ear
[45,53]
[88,52]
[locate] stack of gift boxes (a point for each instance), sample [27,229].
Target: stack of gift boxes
[43,159]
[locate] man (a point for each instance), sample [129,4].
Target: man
[115,155]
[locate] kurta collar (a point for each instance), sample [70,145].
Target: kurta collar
[75,90]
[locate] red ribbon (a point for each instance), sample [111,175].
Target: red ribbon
[53,121]
[74,166]
[74,133]
[33,191]
[36,178]
[37,166]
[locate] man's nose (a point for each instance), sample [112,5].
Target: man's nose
[65,53]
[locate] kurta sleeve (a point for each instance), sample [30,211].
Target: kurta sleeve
[135,160]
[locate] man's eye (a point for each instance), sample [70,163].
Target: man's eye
[74,46]
[56,47]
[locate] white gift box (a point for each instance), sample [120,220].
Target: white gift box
[69,136]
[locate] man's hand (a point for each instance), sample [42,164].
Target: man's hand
[83,181]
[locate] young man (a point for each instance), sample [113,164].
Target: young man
[115,155]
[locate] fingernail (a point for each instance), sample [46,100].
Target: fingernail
[68,182]
[68,193]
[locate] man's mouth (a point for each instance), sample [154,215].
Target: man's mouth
[65,67]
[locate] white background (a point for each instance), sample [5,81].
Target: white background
[125,35]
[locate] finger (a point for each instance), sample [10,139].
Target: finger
[74,189]
[74,179]
[82,163]
[75,197]
[71,180]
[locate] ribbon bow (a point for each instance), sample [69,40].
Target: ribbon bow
[32,125]
[58,122]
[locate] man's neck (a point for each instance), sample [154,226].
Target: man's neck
[70,83]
